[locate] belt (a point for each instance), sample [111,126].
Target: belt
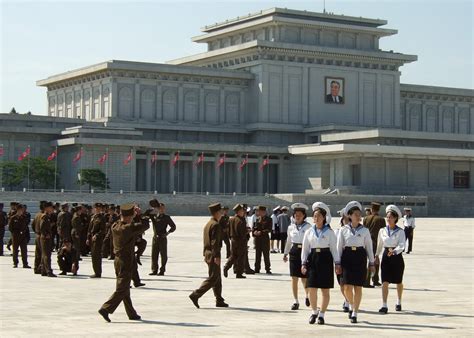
[319,249]
[354,248]
[297,245]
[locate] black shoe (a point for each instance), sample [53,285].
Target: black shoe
[256,271]
[353,320]
[268,272]
[398,307]
[161,273]
[222,304]
[345,308]
[225,271]
[194,299]
[312,319]
[408,252]
[94,276]
[15,266]
[240,277]
[306,301]
[153,273]
[136,317]
[250,272]
[350,314]
[320,321]
[51,275]
[63,273]
[295,306]
[80,259]
[37,272]
[377,284]
[26,266]
[139,284]
[383,310]
[104,315]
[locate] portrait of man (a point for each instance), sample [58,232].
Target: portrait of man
[334,90]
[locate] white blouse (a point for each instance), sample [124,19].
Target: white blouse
[315,238]
[409,222]
[359,236]
[295,235]
[391,239]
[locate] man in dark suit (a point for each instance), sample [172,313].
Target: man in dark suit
[334,97]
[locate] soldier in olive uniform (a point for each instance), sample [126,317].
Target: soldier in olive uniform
[96,234]
[163,225]
[64,223]
[225,229]
[212,239]
[54,227]
[37,268]
[67,258]
[3,224]
[18,225]
[374,223]
[76,230]
[46,240]
[260,232]
[238,234]
[124,234]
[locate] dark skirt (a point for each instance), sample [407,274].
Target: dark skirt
[295,262]
[392,268]
[275,234]
[354,266]
[321,270]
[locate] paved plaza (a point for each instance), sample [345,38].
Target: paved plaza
[438,298]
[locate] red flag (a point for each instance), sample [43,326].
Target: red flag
[265,163]
[244,162]
[200,159]
[128,159]
[78,156]
[221,161]
[102,159]
[24,154]
[1,151]
[175,159]
[154,157]
[53,155]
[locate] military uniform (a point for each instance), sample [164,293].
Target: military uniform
[46,243]
[3,224]
[96,234]
[238,234]
[37,267]
[374,223]
[18,226]
[64,225]
[67,261]
[212,241]
[76,229]
[261,231]
[161,222]
[124,236]
[224,222]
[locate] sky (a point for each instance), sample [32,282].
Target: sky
[42,38]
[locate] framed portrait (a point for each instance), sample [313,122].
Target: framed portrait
[334,90]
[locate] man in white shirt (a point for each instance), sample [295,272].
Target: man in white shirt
[409,227]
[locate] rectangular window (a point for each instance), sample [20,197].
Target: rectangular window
[461,179]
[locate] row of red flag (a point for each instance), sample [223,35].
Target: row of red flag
[102,159]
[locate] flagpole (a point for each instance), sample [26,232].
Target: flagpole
[223,163]
[246,176]
[268,175]
[80,171]
[55,167]
[28,185]
[131,178]
[202,171]
[177,190]
[156,162]
[106,166]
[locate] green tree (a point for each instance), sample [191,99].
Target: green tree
[41,172]
[12,175]
[95,178]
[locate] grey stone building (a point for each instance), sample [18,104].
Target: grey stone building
[311,92]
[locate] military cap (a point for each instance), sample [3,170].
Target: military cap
[407,209]
[238,207]
[213,208]
[98,205]
[154,203]
[13,204]
[375,205]
[48,204]
[395,209]
[20,206]
[352,205]
[262,208]
[299,207]
[324,206]
[127,209]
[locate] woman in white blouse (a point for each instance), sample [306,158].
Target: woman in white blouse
[293,248]
[391,243]
[319,255]
[354,245]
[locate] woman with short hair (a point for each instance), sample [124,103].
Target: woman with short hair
[354,245]
[391,243]
[319,255]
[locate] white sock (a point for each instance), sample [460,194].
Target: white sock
[354,314]
[399,302]
[321,314]
[315,312]
[384,304]
[350,307]
[346,304]
[296,301]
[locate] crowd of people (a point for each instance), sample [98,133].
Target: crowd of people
[316,253]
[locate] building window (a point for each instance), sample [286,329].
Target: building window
[461,179]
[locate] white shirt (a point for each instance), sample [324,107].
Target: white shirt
[324,238]
[295,235]
[391,239]
[359,236]
[274,221]
[251,221]
[409,221]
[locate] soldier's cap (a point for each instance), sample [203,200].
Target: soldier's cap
[375,204]
[20,206]
[395,209]
[277,208]
[261,208]
[98,205]
[127,209]
[238,207]
[48,204]
[64,204]
[105,206]
[13,204]
[225,207]
[154,203]
[407,209]
[299,207]
[215,207]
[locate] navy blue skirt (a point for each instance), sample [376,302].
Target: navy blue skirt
[321,269]
[354,266]
[392,268]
